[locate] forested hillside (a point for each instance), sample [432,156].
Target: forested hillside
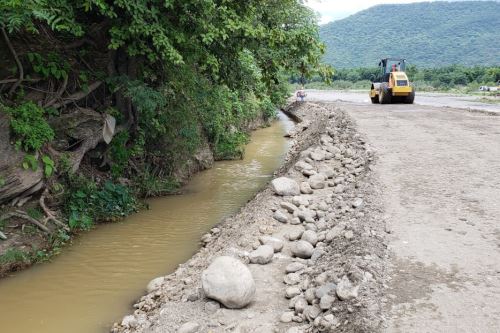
[428,34]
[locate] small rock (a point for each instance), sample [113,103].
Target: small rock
[300,305]
[339,188]
[327,171]
[212,306]
[334,233]
[303,165]
[310,237]
[302,249]
[276,243]
[228,281]
[308,173]
[305,188]
[295,234]
[317,155]
[326,289]
[292,279]
[155,284]
[291,292]
[310,295]
[206,238]
[338,180]
[312,311]
[349,234]
[294,267]
[346,290]
[191,327]
[285,186]
[326,302]
[289,207]
[262,256]
[286,317]
[317,253]
[306,215]
[129,321]
[300,200]
[280,216]
[358,202]
[317,181]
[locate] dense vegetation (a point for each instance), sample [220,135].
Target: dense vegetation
[107,100]
[459,78]
[428,34]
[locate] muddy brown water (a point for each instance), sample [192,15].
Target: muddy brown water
[96,279]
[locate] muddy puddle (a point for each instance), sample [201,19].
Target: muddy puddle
[96,279]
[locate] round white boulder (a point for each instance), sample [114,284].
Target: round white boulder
[228,281]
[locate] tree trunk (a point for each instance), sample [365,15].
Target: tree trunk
[16,180]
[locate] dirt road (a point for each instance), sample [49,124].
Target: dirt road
[428,99]
[440,175]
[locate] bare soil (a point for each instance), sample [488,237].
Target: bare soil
[439,170]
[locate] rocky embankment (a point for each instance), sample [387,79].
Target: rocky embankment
[305,255]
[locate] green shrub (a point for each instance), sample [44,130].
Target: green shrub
[148,184]
[119,154]
[89,203]
[31,130]
[12,256]
[231,146]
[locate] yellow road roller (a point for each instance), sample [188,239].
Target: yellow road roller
[392,84]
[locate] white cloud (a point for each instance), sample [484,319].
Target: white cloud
[331,10]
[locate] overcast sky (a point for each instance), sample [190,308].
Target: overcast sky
[331,10]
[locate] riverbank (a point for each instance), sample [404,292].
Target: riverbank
[106,268]
[24,243]
[337,282]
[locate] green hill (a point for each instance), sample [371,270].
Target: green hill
[427,34]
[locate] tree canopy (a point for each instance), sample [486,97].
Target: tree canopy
[172,75]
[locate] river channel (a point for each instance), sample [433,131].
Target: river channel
[96,279]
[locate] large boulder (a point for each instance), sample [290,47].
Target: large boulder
[285,186]
[228,281]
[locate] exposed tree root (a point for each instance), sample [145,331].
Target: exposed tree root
[18,62]
[50,215]
[58,94]
[22,215]
[77,96]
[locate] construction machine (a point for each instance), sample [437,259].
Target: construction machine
[392,84]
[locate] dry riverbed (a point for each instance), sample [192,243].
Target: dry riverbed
[314,242]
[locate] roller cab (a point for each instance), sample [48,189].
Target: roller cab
[392,84]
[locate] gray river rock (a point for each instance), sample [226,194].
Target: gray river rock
[228,281]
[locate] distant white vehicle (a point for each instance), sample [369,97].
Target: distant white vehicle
[487,88]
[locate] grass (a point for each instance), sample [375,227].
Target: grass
[12,256]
